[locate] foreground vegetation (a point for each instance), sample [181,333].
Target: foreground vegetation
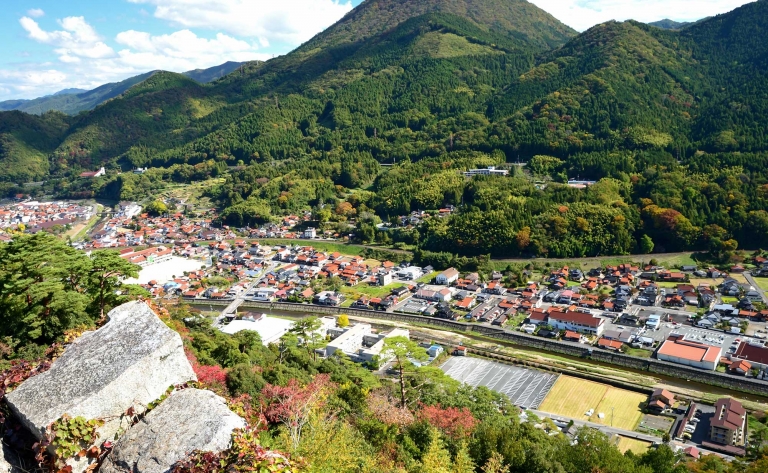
[325,415]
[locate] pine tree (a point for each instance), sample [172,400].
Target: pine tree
[436,459]
[495,464]
[462,462]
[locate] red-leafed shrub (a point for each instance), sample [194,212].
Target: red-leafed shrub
[292,404]
[212,377]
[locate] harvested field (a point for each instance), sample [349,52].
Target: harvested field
[574,397]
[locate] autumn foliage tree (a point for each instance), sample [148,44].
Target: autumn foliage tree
[454,422]
[293,404]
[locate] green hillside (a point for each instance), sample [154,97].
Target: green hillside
[513,18]
[439,87]
[26,142]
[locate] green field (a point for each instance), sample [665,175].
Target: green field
[349,249]
[762,283]
[639,352]
[354,293]
[669,261]
[427,278]
[638,447]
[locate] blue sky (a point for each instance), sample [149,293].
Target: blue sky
[49,45]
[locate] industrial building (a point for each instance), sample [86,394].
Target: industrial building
[359,342]
[676,349]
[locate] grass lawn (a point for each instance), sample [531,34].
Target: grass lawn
[763,283]
[349,249]
[427,278]
[624,406]
[740,278]
[573,397]
[730,300]
[626,444]
[668,285]
[671,261]
[678,260]
[354,293]
[639,352]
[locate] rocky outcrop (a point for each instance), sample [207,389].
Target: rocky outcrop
[129,362]
[5,467]
[189,420]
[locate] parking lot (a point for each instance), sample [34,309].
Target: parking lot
[701,432]
[524,387]
[411,306]
[709,337]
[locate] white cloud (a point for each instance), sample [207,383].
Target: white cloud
[35,12]
[583,14]
[19,83]
[86,61]
[181,51]
[76,38]
[289,21]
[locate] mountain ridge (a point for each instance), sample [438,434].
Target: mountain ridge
[74,101]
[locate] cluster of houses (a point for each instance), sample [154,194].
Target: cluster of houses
[33,216]
[128,228]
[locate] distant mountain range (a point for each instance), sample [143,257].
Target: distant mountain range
[397,78]
[667,24]
[74,101]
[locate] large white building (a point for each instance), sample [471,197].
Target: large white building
[269,329]
[368,354]
[360,343]
[348,340]
[490,170]
[580,322]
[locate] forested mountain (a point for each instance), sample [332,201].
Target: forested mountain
[673,120]
[73,101]
[513,18]
[667,24]
[26,141]
[213,73]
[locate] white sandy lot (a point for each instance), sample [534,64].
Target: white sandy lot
[165,271]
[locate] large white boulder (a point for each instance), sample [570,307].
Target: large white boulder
[5,467]
[189,420]
[129,362]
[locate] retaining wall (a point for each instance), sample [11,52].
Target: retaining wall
[523,339]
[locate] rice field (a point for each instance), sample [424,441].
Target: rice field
[573,397]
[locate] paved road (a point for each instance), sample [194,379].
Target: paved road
[608,430]
[751,280]
[238,301]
